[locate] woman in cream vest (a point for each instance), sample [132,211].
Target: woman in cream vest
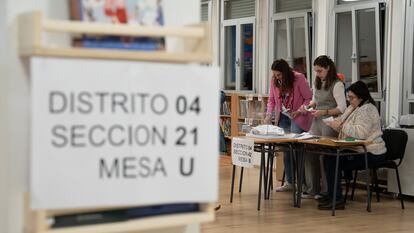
[328,100]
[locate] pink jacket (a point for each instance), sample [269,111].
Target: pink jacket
[302,94]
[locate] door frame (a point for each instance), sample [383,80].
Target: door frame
[237,23]
[379,95]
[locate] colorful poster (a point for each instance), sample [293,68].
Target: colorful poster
[136,12]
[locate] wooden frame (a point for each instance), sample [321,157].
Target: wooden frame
[196,49]
[32,27]
[38,221]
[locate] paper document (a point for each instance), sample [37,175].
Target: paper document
[309,109]
[305,135]
[285,111]
[267,129]
[329,119]
[345,141]
[269,136]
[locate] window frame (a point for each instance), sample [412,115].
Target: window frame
[209,9]
[353,8]
[288,18]
[236,22]
[354,2]
[309,32]
[274,12]
[408,91]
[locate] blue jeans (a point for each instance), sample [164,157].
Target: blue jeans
[288,126]
[346,163]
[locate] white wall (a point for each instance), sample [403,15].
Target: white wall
[322,12]
[262,48]
[14,105]
[16,111]
[176,18]
[3,119]
[215,31]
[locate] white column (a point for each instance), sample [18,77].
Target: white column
[262,48]
[395,59]
[215,30]
[15,110]
[322,12]
[3,120]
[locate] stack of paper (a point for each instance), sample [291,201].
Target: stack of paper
[267,130]
[305,135]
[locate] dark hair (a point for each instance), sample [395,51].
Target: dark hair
[360,89]
[331,77]
[287,75]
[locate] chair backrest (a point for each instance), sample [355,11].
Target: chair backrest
[395,141]
[341,77]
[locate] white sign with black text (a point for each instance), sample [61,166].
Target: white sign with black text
[122,133]
[242,152]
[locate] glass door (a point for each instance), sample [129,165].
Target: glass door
[246,56]
[280,41]
[239,54]
[368,49]
[299,45]
[358,46]
[344,42]
[291,41]
[230,57]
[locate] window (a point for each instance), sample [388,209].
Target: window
[344,45]
[230,57]
[339,2]
[236,9]
[291,33]
[291,5]
[359,44]
[280,40]
[238,43]
[205,10]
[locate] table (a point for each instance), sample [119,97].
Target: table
[308,145]
[260,146]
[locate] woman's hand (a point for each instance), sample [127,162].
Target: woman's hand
[302,109]
[335,124]
[318,113]
[295,114]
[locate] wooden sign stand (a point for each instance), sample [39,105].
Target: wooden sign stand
[39,221]
[197,49]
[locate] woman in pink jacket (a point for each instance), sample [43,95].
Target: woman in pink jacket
[289,90]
